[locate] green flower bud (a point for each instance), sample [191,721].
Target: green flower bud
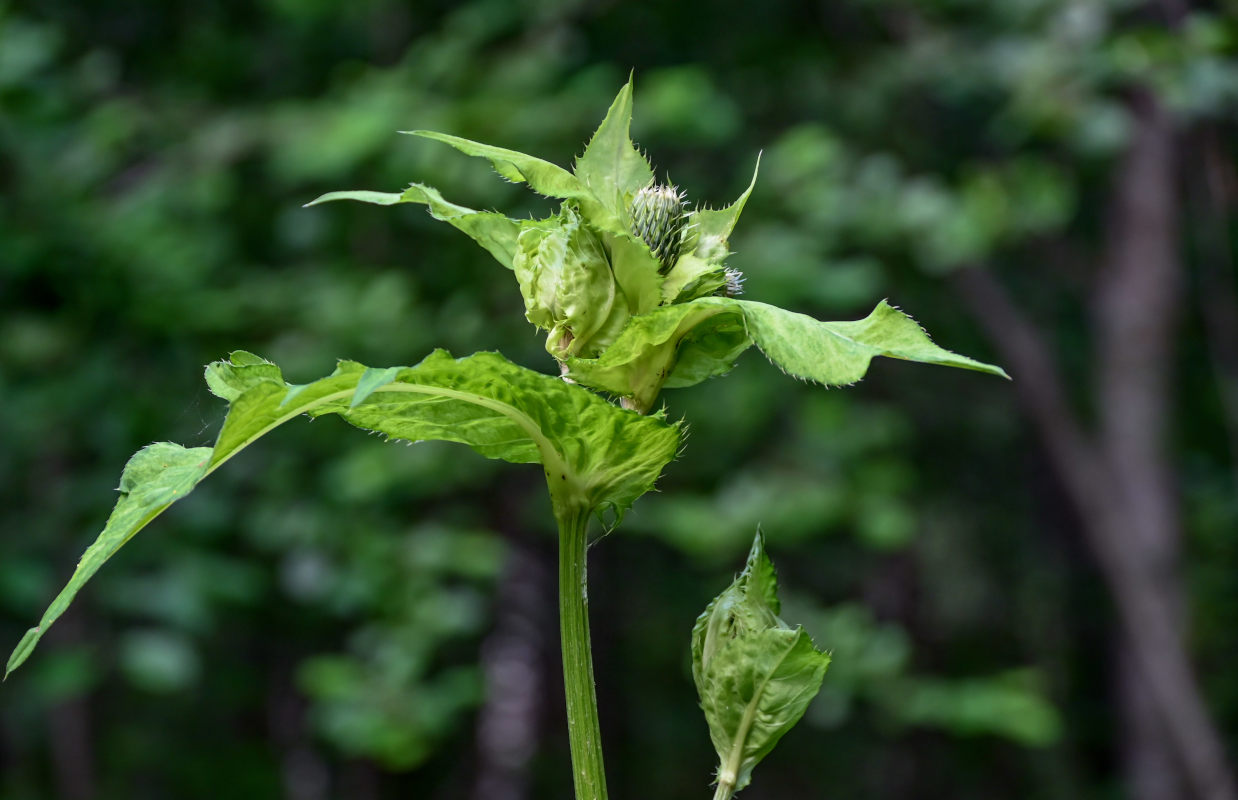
[658,219]
[567,283]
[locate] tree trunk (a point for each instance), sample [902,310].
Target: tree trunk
[1138,295]
[1121,480]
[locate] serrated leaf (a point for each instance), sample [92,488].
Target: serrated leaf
[602,455]
[228,381]
[709,243]
[754,673]
[155,477]
[644,356]
[611,166]
[635,270]
[493,231]
[684,344]
[838,353]
[713,227]
[542,177]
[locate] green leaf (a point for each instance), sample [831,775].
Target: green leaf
[542,177]
[611,166]
[713,227]
[1011,704]
[567,284]
[493,231]
[684,344]
[361,196]
[591,450]
[754,673]
[710,243]
[155,477]
[838,353]
[635,270]
[644,356]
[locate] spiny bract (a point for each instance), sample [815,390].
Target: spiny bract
[658,219]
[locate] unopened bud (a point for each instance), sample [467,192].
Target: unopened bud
[658,218]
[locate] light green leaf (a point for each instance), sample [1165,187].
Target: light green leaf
[599,454]
[838,353]
[371,380]
[543,177]
[155,477]
[361,196]
[713,227]
[754,673]
[493,231]
[611,166]
[567,284]
[1011,704]
[227,382]
[644,356]
[636,271]
[683,344]
[708,246]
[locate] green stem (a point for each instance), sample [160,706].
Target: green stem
[725,791]
[584,734]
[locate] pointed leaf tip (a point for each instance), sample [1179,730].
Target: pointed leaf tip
[497,408]
[542,176]
[755,674]
[690,342]
[612,168]
[360,195]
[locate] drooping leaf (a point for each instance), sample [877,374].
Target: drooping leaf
[838,353]
[683,344]
[542,177]
[155,477]
[604,456]
[493,231]
[611,166]
[754,673]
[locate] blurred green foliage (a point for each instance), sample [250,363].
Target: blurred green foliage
[153,160]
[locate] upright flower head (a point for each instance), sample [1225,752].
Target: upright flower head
[633,289]
[658,218]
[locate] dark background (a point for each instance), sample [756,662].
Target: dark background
[1029,587]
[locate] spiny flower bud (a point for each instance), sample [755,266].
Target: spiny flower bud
[658,218]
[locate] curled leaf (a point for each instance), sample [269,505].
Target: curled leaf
[684,344]
[493,231]
[754,673]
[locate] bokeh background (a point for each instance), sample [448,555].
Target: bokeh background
[1029,588]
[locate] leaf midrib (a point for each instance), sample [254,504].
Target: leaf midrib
[735,757]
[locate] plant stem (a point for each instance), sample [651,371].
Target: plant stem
[584,734]
[725,791]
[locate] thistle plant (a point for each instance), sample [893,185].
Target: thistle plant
[658,219]
[630,283]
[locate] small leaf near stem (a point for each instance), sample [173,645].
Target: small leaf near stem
[755,674]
